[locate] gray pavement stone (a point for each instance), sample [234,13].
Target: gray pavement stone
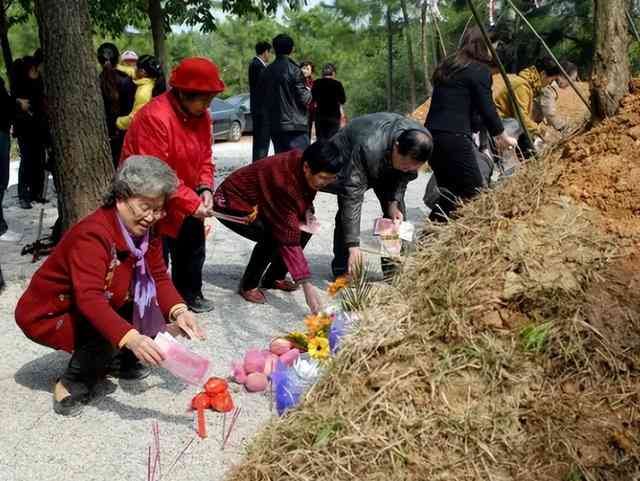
[110,440]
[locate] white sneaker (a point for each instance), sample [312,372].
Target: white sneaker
[11,236]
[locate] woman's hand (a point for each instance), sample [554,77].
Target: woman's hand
[202,212]
[145,349]
[185,325]
[311,296]
[505,142]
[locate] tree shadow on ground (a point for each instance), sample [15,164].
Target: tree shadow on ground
[127,412]
[40,374]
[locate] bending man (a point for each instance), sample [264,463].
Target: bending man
[383,152]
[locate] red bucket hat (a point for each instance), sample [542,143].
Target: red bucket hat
[197,74]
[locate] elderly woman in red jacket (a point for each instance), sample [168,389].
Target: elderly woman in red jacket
[176,128]
[105,289]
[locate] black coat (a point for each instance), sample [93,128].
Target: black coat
[34,123]
[366,144]
[329,95]
[126,96]
[464,103]
[256,67]
[285,96]
[7,108]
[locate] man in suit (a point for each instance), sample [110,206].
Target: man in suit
[260,126]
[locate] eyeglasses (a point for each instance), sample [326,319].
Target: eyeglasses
[144,212]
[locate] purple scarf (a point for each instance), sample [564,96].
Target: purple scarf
[147,317]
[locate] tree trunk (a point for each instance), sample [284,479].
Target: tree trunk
[4,40]
[83,165]
[611,71]
[410,58]
[389,61]
[424,50]
[156,17]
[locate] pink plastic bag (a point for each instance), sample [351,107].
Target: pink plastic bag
[182,362]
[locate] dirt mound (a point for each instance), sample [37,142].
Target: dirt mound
[603,169]
[508,349]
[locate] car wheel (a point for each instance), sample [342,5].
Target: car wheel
[235,132]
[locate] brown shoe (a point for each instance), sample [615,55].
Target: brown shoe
[253,295]
[282,285]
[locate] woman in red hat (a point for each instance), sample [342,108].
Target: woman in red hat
[176,128]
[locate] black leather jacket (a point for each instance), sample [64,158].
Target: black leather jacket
[284,96]
[366,144]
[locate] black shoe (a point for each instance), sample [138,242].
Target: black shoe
[68,406]
[100,390]
[127,367]
[24,204]
[200,305]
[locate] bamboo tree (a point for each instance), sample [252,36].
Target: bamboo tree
[424,49]
[410,57]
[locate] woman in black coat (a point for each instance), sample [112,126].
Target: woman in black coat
[461,95]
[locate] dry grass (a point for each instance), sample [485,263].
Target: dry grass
[508,349]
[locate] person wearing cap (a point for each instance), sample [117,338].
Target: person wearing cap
[128,63]
[149,81]
[176,128]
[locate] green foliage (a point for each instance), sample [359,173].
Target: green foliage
[535,338]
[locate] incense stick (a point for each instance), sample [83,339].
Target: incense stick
[236,414]
[224,424]
[180,456]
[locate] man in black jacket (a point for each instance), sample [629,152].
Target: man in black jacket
[328,94]
[383,152]
[285,99]
[260,126]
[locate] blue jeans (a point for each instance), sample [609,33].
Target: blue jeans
[285,141]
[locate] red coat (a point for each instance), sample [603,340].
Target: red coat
[86,279]
[163,130]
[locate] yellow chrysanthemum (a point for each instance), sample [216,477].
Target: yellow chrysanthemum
[319,348]
[340,283]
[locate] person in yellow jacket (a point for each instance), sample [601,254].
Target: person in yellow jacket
[150,82]
[527,85]
[127,64]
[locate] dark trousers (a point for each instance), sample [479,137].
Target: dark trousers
[31,171]
[187,254]
[92,356]
[260,137]
[455,163]
[340,263]
[265,262]
[285,141]
[116,143]
[5,150]
[327,128]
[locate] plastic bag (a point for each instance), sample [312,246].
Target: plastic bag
[182,362]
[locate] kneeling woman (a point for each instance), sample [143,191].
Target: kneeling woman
[104,292]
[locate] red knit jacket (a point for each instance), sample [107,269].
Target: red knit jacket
[88,278]
[278,188]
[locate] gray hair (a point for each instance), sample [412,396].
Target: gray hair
[141,176]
